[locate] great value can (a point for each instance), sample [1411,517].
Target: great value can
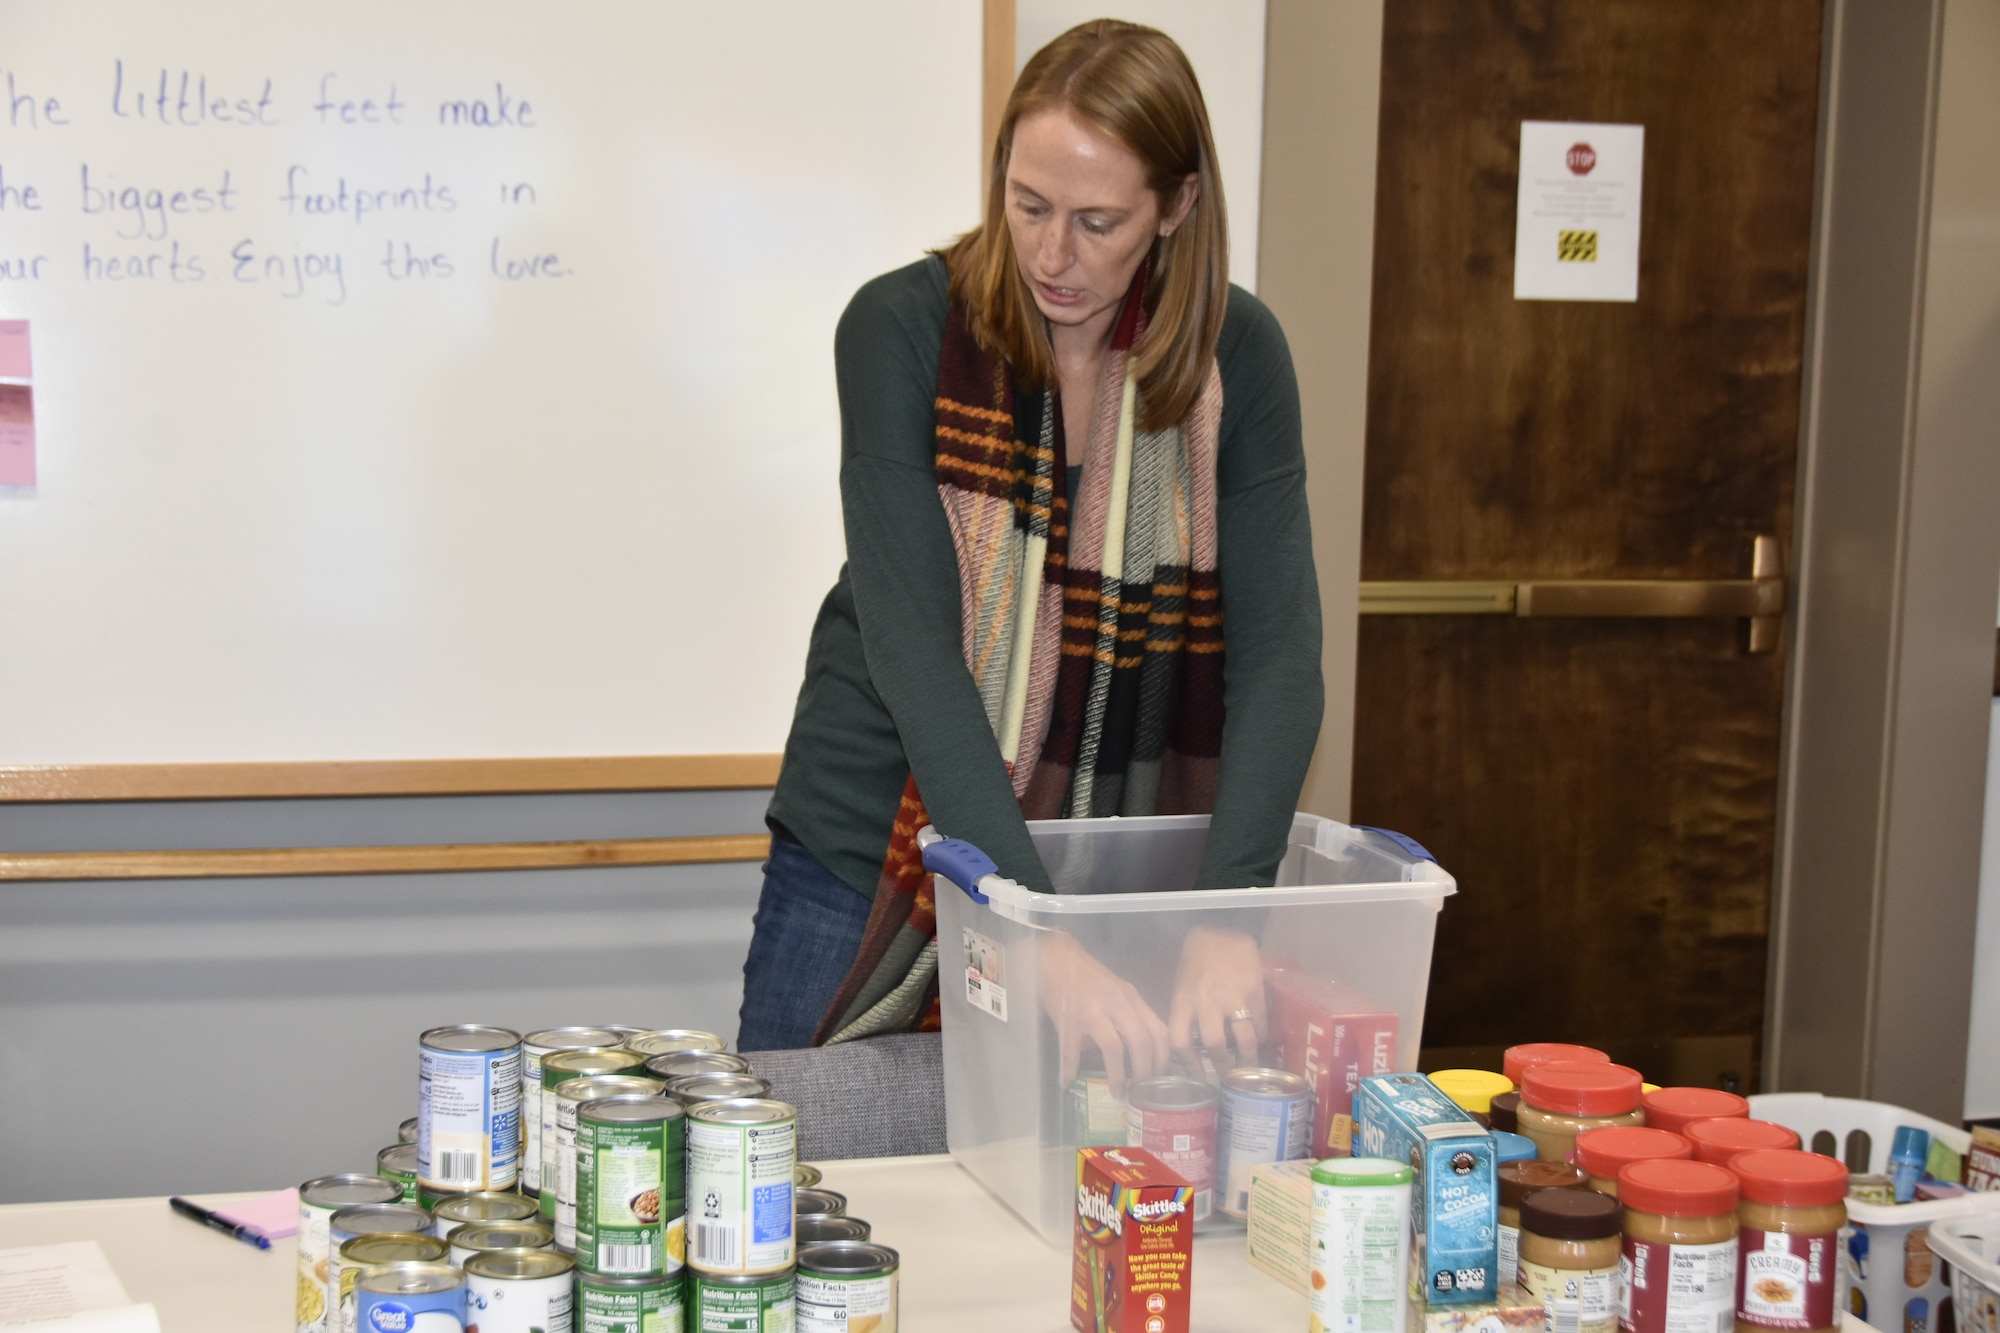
[670,1065]
[754,1303]
[846,1287]
[319,1199]
[407,1131]
[631,1186]
[630,1304]
[469,1107]
[410,1298]
[698,1088]
[481,1237]
[364,1219]
[818,1228]
[664,1041]
[1263,1115]
[485,1206]
[740,1159]
[570,1095]
[1360,1247]
[398,1162]
[558,1068]
[534,1046]
[819,1202]
[520,1291]
[1174,1119]
[364,1252]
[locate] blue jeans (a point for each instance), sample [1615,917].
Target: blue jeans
[806,932]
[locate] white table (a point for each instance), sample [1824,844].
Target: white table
[968,1263]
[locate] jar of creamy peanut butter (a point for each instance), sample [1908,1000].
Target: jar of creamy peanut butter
[1562,1099]
[1788,1256]
[1602,1153]
[1679,1268]
[1570,1251]
[1517,1180]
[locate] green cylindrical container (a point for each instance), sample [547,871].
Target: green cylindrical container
[631,1186]
[559,1068]
[631,1304]
[399,1163]
[1360,1251]
[842,1284]
[569,1096]
[759,1303]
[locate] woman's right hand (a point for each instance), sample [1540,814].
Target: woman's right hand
[1086,999]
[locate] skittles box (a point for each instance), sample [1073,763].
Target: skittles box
[1454,1207]
[1133,1270]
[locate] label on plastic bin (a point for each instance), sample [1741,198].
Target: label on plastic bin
[985,975]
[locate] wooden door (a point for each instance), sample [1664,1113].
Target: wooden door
[1604,789]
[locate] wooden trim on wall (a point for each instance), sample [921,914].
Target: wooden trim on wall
[236,863]
[394,777]
[996,77]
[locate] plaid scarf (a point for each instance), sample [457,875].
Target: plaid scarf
[1096,644]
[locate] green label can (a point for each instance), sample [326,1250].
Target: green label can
[762,1303]
[631,1191]
[399,1163]
[558,1161]
[845,1286]
[630,1304]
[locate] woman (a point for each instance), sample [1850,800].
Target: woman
[1070,455]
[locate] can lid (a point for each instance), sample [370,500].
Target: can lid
[470,1039]
[1790,1178]
[521,1264]
[1472,1089]
[1716,1141]
[805,1175]
[1517,1180]
[696,1088]
[630,1109]
[551,1040]
[398,1157]
[349,1189]
[1266,1083]
[408,1279]
[743,1111]
[812,1228]
[1578,1087]
[1571,1214]
[590,1089]
[859,1257]
[1362,1171]
[1169,1092]
[829,1203]
[486,1206]
[524,1234]
[1517,1059]
[671,1065]
[1677,1188]
[662,1040]
[1501,1112]
[1511,1147]
[1671,1108]
[375,1218]
[390,1247]
[590,1061]
[1601,1152]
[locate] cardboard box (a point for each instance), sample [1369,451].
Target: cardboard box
[1982,1159]
[1454,1207]
[1334,1036]
[1515,1312]
[1281,1214]
[1132,1269]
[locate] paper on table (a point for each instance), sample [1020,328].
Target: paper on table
[69,1287]
[275,1215]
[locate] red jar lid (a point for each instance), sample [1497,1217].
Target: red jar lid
[1577,1087]
[1601,1152]
[1716,1141]
[1676,1189]
[1790,1178]
[1516,1060]
[1672,1108]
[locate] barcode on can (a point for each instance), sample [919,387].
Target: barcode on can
[625,1258]
[714,1245]
[459,1167]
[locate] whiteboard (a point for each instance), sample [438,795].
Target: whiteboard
[444,380]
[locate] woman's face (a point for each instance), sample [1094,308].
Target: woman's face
[1082,217]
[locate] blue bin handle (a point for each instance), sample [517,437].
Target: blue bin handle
[1403,840]
[961,863]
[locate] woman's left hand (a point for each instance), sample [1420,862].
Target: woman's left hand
[1219,992]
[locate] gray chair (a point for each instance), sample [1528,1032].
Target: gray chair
[877,1097]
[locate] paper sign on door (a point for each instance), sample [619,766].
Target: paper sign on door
[1576,226]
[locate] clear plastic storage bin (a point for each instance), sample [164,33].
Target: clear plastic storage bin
[1341,949]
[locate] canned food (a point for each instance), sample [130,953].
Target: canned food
[829,1203]
[480,1237]
[534,1047]
[744,1303]
[1263,1115]
[469,1107]
[410,1298]
[570,1095]
[630,1304]
[407,1131]
[817,1228]
[627,1031]
[664,1041]
[805,1175]
[1096,1118]
[740,1159]
[845,1287]
[558,1068]
[352,1255]
[698,1088]
[319,1199]
[365,1219]
[430,1196]
[671,1065]
[520,1291]
[1174,1119]
[631,1186]
[486,1206]
[399,1163]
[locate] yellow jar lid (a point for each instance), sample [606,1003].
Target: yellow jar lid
[1645,1088]
[1473,1089]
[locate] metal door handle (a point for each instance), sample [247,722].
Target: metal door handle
[1760,599]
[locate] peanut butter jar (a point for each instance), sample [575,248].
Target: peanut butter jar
[1602,1153]
[1788,1255]
[1562,1099]
[1716,1141]
[1674,1109]
[1517,1180]
[1680,1246]
[1570,1252]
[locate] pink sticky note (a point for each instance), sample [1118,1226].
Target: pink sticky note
[14,363]
[17,435]
[275,1214]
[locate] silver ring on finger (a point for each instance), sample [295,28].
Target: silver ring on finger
[1239,1016]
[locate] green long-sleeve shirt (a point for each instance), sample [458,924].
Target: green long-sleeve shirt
[886,689]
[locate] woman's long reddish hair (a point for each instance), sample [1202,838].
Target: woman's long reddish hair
[1134,84]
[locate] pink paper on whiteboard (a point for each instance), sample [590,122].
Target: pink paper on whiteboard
[17,435]
[14,363]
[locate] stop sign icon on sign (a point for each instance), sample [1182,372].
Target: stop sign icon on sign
[1581,158]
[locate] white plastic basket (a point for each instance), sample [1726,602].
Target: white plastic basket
[1893,1280]
[1972,1247]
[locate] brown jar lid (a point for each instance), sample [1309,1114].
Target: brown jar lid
[1503,1113]
[1518,1179]
[1571,1214]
